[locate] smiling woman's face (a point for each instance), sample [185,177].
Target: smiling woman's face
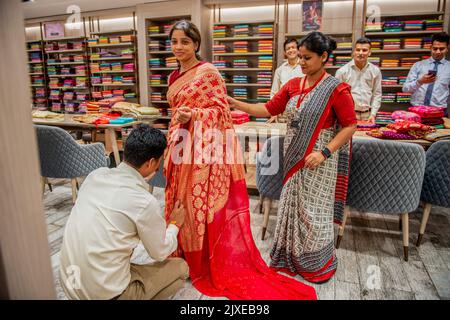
[183,47]
[310,62]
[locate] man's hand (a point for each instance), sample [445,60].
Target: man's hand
[314,160]
[178,214]
[371,119]
[184,114]
[427,79]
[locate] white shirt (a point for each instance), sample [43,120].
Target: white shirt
[283,74]
[114,210]
[441,90]
[365,83]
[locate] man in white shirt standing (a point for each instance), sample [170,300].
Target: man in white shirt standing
[286,71]
[365,80]
[114,211]
[429,80]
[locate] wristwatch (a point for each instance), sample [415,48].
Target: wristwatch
[326,152]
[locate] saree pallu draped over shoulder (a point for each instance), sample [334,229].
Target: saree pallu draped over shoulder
[312,199]
[216,239]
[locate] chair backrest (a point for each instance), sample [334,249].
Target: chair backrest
[269,168]
[158,180]
[436,183]
[61,157]
[385,176]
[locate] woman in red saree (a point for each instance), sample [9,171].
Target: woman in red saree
[321,122]
[215,239]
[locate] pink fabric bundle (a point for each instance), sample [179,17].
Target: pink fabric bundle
[405,115]
[239,117]
[427,112]
[388,134]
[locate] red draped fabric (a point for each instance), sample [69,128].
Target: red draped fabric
[216,240]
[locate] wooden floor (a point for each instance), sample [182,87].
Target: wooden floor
[371,264]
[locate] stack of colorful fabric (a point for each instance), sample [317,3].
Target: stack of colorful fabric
[330,61]
[406,115]
[412,128]
[240,93]
[225,77]
[171,62]
[114,40]
[155,46]
[35,57]
[69,83]
[128,67]
[264,30]
[392,44]
[240,63]
[375,61]
[401,79]
[240,46]
[167,28]
[426,43]
[413,43]
[264,77]
[220,31]
[392,26]
[56,106]
[409,62]
[377,44]
[129,95]
[220,48]
[154,29]
[265,46]
[413,25]
[241,30]
[240,79]
[429,115]
[263,94]
[220,64]
[38,80]
[126,38]
[403,97]
[388,97]
[156,79]
[389,63]
[344,46]
[374,27]
[342,60]
[157,96]
[167,45]
[116,66]
[128,80]
[434,25]
[127,53]
[265,62]
[383,117]
[156,63]
[55,95]
[364,125]
[389,80]
[239,117]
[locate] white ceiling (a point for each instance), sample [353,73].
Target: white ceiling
[46,8]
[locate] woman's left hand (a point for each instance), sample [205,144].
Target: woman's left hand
[184,114]
[314,159]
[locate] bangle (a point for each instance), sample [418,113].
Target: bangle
[173,222]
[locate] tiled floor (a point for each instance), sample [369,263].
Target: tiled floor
[371,264]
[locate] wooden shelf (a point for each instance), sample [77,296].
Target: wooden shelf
[347,51]
[110,58]
[36,73]
[333,67]
[66,75]
[301,34]
[244,22]
[65,63]
[106,45]
[400,33]
[34,50]
[243,38]
[243,54]
[394,68]
[38,85]
[247,85]
[131,31]
[415,14]
[160,52]
[115,85]
[119,71]
[162,101]
[34,62]
[158,85]
[159,35]
[400,51]
[392,86]
[65,51]
[68,88]
[244,69]
[161,69]
[65,39]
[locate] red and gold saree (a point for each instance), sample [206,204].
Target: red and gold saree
[216,240]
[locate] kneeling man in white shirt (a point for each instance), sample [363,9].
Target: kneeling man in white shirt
[113,213]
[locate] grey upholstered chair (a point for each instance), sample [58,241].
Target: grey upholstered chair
[385,177]
[158,180]
[61,157]
[436,183]
[269,175]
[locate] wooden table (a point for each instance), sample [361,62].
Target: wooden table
[68,123]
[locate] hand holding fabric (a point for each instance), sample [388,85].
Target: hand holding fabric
[184,114]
